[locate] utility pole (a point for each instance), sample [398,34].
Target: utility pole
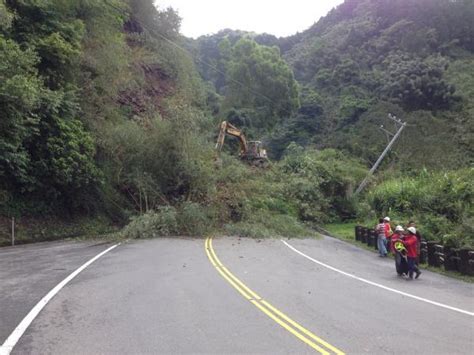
[401,125]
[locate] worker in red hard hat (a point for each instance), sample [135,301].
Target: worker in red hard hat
[410,242]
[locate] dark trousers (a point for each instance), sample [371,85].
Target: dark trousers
[412,266]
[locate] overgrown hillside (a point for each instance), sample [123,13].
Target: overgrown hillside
[109,115]
[105,120]
[364,60]
[411,58]
[79,81]
[367,58]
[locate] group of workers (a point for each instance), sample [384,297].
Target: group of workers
[404,244]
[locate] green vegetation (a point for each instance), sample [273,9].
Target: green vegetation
[368,58]
[304,186]
[105,118]
[49,228]
[342,230]
[440,202]
[258,87]
[84,101]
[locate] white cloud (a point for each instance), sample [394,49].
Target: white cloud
[277,17]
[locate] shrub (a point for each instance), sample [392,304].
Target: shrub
[449,194]
[152,224]
[193,219]
[189,218]
[320,182]
[159,163]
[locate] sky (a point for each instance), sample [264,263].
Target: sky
[278,17]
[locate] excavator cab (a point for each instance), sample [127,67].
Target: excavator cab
[256,155]
[255,150]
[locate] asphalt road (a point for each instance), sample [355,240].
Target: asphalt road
[166,296]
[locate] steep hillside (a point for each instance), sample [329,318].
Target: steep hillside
[105,119]
[411,58]
[84,86]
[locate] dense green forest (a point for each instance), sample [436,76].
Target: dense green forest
[84,85]
[108,113]
[366,59]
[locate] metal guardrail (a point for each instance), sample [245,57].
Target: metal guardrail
[372,242]
[431,252]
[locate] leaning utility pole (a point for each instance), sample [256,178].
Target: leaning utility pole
[401,125]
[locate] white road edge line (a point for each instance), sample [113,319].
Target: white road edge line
[378,285]
[11,341]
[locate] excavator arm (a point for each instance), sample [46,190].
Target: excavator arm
[227,128]
[252,152]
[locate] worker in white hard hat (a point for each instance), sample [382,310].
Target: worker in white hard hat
[397,235]
[418,240]
[398,249]
[410,244]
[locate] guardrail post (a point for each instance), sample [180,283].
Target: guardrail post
[439,255]
[13,231]
[423,252]
[369,237]
[373,238]
[431,253]
[358,232]
[365,235]
[466,261]
[451,259]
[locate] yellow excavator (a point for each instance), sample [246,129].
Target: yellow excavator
[250,151]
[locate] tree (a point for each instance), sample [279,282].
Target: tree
[259,79]
[146,17]
[417,84]
[6,16]
[21,92]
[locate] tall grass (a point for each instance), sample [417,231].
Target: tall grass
[442,202]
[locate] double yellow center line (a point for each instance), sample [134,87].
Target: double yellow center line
[283,320]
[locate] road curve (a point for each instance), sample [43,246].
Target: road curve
[356,317]
[166,296]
